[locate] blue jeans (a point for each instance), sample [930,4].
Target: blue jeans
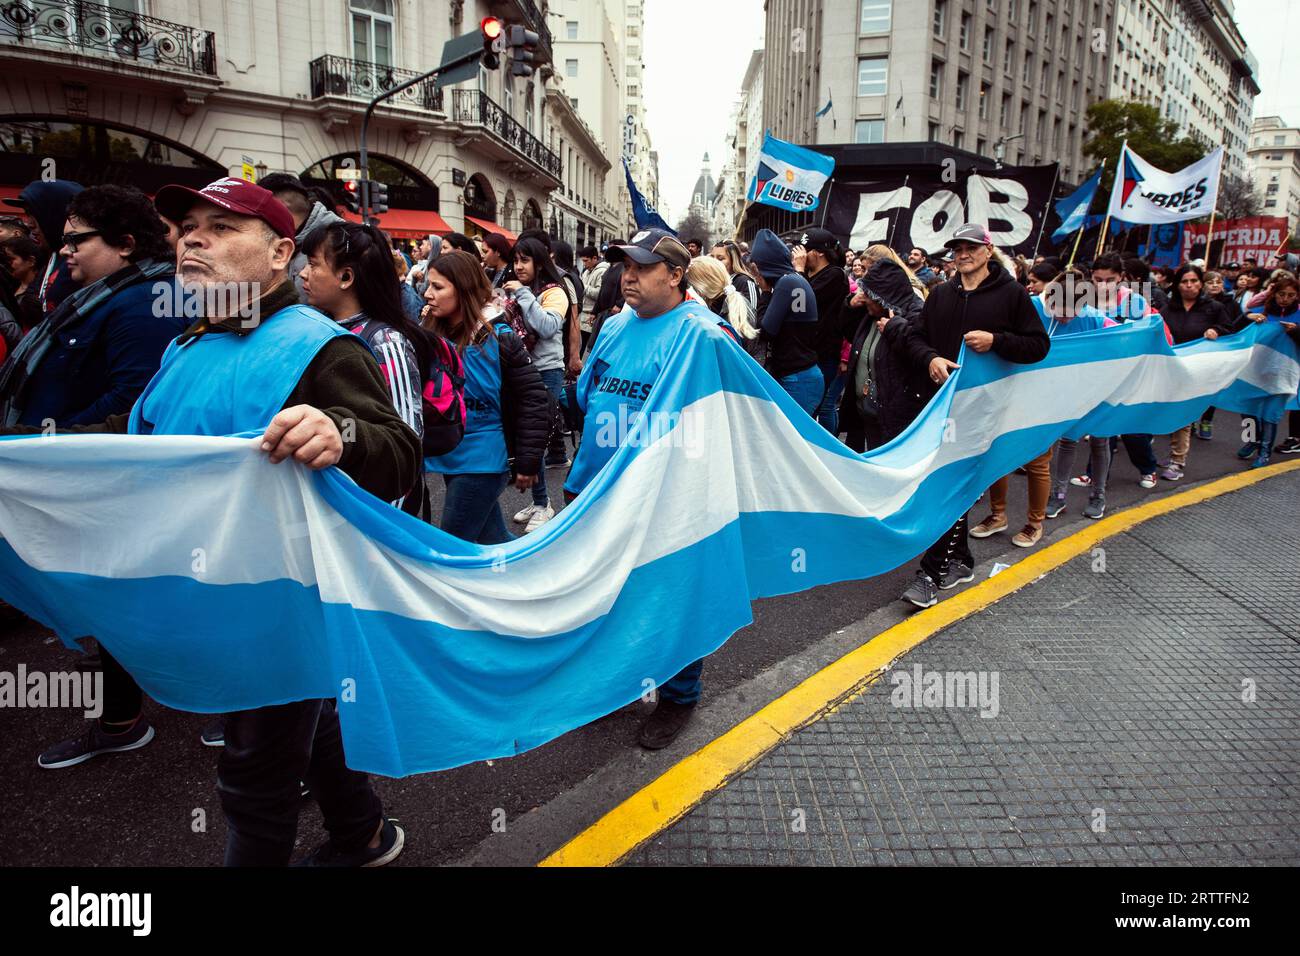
[472,509]
[805,388]
[553,379]
[684,687]
[828,412]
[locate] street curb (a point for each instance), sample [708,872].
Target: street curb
[686,784]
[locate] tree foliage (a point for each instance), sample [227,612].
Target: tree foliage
[694,226]
[1237,197]
[1154,138]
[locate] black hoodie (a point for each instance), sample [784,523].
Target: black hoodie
[999,305]
[47,203]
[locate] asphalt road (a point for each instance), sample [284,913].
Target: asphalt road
[143,808]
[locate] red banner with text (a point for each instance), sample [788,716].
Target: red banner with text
[1253,237]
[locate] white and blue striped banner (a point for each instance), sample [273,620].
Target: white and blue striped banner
[223,582]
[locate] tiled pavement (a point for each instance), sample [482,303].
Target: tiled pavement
[1147,711]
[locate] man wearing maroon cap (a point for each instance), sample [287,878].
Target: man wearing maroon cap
[298,378]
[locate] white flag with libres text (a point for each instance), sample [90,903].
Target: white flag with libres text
[1144,194]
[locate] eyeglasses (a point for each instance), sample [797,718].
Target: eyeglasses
[71,240]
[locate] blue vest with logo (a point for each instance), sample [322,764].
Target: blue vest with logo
[222,383]
[483,449]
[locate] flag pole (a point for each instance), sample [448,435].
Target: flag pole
[1285,242]
[1101,240]
[894,225]
[1051,194]
[827,205]
[1209,239]
[1077,239]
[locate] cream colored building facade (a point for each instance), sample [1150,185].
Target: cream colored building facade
[1275,163]
[176,85]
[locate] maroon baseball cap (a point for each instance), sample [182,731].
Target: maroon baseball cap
[237,195]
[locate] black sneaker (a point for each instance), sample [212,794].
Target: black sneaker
[214,734]
[956,573]
[391,840]
[94,742]
[922,592]
[558,461]
[1289,447]
[662,727]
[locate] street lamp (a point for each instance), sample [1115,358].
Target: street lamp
[261,170]
[999,148]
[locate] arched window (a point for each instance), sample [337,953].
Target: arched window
[372,31]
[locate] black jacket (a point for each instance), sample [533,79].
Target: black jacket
[526,406]
[830,287]
[999,305]
[1187,325]
[1231,310]
[900,397]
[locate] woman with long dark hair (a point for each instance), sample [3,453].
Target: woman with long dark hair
[537,308]
[507,408]
[350,276]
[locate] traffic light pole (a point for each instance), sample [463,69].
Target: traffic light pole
[370,109]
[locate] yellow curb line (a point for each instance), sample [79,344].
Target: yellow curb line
[683,786]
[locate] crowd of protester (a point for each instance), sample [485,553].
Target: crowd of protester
[462,357]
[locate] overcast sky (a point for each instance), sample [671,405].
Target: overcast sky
[1267,27]
[696,52]
[695,56]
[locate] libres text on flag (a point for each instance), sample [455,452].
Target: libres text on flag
[1146,195]
[788,176]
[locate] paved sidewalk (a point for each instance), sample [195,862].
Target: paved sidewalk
[1147,710]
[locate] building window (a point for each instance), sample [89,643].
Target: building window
[963,36]
[1009,58]
[633,90]
[962,84]
[988,44]
[372,31]
[571,29]
[984,102]
[940,17]
[873,76]
[573,101]
[936,79]
[959,139]
[934,132]
[875,16]
[570,67]
[1004,113]
[869,131]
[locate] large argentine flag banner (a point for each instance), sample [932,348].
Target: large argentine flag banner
[789,176]
[1147,195]
[223,582]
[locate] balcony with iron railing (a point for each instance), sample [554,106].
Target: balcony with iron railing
[359,80]
[102,31]
[474,108]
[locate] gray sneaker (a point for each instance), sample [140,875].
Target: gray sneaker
[922,593]
[1095,508]
[1055,505]
[93,742]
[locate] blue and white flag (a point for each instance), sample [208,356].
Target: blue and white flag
[1073,209]
[291,584]
[1147,195]
[788,176]
[645,215]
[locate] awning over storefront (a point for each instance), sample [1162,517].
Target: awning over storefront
[488,226]
[408,223]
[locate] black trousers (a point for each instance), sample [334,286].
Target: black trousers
[954,545]
[268,751]
[123,698]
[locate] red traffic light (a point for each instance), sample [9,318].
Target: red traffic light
[492,27]
[352,185]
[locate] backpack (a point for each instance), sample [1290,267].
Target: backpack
[514,317]
[442,397]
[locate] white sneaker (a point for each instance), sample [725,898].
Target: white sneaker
[540,516]
[524,515]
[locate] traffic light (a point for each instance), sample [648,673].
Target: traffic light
[523,50]
[352,194]
[378,197]
[492,29]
